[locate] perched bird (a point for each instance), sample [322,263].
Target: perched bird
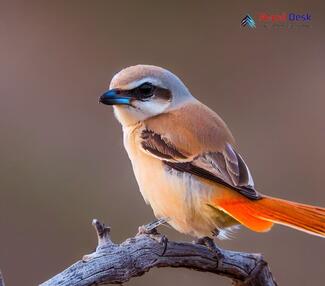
[185,163]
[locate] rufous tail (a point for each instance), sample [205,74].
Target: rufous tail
[259,215]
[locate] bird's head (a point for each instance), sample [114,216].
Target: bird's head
[143,91]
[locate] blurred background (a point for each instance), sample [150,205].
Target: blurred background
[62,160]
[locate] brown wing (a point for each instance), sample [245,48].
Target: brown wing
[160,147]
[226,168]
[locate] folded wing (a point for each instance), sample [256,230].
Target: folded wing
[223,167]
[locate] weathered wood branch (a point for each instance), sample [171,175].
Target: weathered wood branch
[117,263]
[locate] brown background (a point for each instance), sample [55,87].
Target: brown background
[62,160]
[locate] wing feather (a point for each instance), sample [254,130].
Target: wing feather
[226,167]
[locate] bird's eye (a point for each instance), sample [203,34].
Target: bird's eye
[146,90]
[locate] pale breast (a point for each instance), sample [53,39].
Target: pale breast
[163,192]
[180,197]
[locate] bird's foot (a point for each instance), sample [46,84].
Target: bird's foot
[209,243]
[151,228]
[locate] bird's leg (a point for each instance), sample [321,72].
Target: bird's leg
[209,243]
[151,228]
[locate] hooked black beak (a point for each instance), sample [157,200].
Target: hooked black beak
[115,97]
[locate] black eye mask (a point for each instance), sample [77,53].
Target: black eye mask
[143,91]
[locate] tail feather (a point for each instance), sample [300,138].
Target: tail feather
[306,218]
[260,215]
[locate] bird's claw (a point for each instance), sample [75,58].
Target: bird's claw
[209,243]
[151,228]
[164,241]
[144,229]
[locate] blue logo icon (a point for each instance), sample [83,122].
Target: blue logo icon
[248,21]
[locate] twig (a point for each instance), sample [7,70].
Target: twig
[118,263]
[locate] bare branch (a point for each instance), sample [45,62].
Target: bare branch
[118,263]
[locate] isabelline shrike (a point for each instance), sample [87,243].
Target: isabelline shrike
[185,163]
